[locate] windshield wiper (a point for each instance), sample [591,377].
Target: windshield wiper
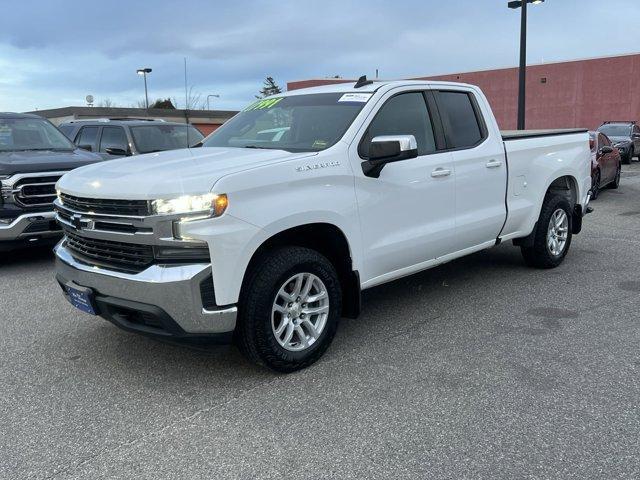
[259,147]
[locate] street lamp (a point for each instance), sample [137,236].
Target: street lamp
[523,57]
[143,72]
[212,95]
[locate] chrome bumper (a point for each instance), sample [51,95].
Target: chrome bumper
[16,229]
[174,289]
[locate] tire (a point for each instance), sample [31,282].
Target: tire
[632,154]
[540,254]
[616,181]
[595,185]
[627,159]
[272,281]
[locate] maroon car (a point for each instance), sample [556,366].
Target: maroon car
[605,164]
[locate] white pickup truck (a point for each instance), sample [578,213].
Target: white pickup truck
[270,239]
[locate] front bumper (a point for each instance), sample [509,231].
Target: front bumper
[30,226]
[169,295]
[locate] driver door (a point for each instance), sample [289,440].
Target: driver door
[407,215]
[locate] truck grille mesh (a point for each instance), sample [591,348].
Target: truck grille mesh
[127,257]
[136,208]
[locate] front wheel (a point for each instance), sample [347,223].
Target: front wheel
[552,236]
[289,309]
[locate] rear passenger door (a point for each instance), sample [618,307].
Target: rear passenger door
[480,169]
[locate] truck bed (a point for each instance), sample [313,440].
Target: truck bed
[520,134]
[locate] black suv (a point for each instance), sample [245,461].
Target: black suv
[33,156]
[119,137]
[625,136]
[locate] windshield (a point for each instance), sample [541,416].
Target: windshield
[616,130]
[299,123]
[158,137]
[19,134]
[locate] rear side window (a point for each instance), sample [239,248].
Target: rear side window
[462,125]
[404,114]
[87,136]
[113,137]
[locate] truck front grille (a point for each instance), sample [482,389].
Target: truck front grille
[124,208]
[35,191]
[128,257]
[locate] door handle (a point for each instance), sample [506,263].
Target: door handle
[441,172]
[494,163]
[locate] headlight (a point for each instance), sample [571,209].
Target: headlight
[209,205]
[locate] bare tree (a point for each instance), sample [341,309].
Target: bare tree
[193,99]
[107,103]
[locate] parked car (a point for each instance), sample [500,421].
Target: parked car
[33,156]
[114,138]
[274,241]
[605,164]
[625,136]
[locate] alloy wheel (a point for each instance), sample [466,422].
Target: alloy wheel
[558,232]
[300,311]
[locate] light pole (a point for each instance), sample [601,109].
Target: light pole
[212,95]
[522,73]
[143,72]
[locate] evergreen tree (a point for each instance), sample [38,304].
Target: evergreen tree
[270,88]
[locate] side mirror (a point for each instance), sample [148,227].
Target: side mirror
[606,149]
[88,148]
[387,149]
[117,151]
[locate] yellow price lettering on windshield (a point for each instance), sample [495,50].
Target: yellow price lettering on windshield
[263,104]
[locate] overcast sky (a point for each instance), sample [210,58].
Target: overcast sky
[54,53]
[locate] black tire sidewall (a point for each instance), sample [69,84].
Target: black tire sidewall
[255,320]
[539,255]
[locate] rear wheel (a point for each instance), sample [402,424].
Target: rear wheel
[595,185]
[290,309]
[616,181]
[552,236]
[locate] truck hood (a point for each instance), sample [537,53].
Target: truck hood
[166,174]
[44,161]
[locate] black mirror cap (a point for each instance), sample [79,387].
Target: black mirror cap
[380,150]
[381,153]
[606,149]
[88,148]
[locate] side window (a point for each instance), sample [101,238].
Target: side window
[463,128]
[67,130]
[602,140]
[87,136]
[404,114]
[636,129]
[113,137]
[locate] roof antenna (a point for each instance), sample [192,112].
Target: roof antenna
[362,82]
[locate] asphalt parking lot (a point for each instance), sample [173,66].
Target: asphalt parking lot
[481,368]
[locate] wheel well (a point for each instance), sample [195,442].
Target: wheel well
[328,240]
[567,186]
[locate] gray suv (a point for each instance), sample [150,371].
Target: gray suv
[625,136]
[119,137]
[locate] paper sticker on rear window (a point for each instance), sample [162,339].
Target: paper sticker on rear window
[355,97]
[264,104]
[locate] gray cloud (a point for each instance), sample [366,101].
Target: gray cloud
[62,50]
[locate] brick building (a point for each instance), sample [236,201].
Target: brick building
[580,93]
